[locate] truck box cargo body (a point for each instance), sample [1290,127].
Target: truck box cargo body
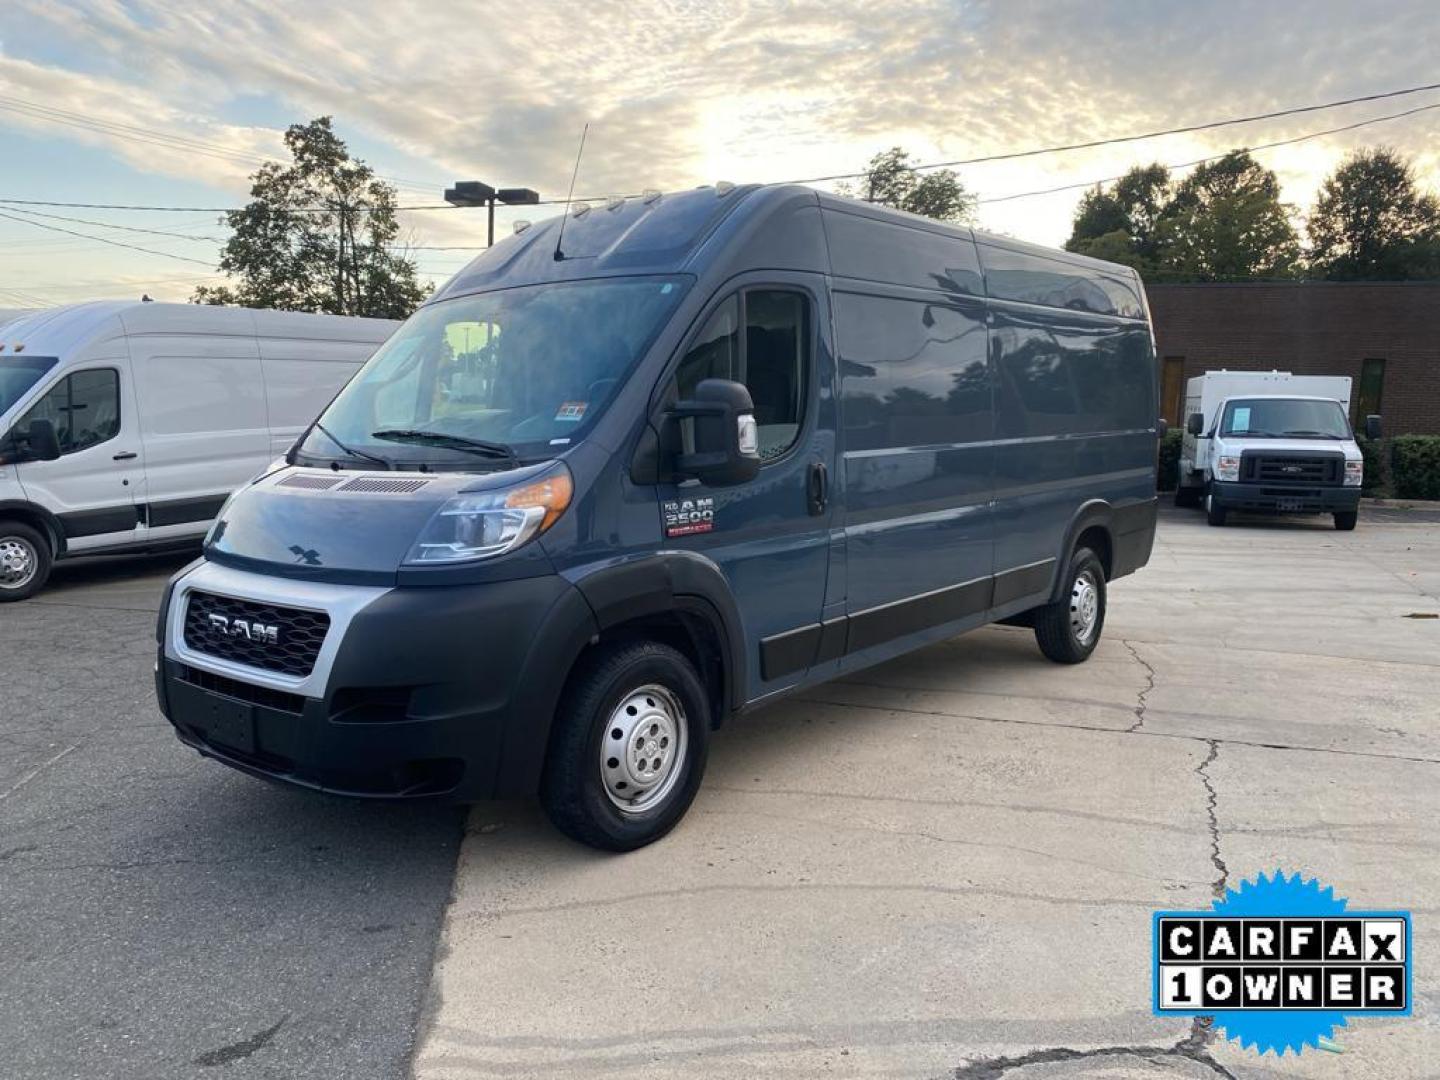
[607,489]
[1270,442]
[148,416]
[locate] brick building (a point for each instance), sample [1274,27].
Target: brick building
[1384,335]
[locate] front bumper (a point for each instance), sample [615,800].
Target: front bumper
[417,692]
[1277,498]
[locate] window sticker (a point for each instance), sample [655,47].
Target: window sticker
[1241,420]
[571,411]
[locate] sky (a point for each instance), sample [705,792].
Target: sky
[169,103]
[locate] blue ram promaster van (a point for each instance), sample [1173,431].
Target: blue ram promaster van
[607,489]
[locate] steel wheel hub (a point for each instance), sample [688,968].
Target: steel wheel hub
[17,562]
[642,749]
[1084,607]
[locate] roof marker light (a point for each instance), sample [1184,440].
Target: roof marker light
[581,209]
[520,226]
[649,195]
[723,188]
[615,202]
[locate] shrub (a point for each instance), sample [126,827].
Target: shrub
[1169,460]
[1415,466]
[1377,473]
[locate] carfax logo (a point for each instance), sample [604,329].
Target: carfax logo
[1279,963]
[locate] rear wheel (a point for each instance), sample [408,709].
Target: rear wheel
[1214,512]
[24,561]
[1345,519]
[628,748]
[1068,630]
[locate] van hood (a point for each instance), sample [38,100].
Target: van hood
[300,522]
[1238,445]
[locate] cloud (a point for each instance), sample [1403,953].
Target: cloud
[678,92]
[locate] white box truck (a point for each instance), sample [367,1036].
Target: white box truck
[1271,442]
[124,426]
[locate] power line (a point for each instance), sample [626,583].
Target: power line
[1217,157]
[103,240]
[1012,155]
[125,228]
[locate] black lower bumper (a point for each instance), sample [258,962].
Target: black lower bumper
[1276,498]
[434,692]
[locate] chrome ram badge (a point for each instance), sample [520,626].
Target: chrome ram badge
[261,633]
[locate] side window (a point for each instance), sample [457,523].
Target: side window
[771,357]
[84,407]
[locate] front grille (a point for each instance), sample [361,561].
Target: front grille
[1292,469]
[241,631]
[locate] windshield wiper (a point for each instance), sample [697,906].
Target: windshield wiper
[483,447]
[359,454]
[1247,433]
[1312,434]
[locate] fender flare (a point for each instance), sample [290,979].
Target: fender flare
[48,521]
[1091,513]
[669,582]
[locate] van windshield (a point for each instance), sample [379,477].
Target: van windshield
[18,374]
[1285,418]
[482,379]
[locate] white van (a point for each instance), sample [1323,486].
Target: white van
[1271,442]
[124,426]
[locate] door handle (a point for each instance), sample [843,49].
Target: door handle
[817,488]
[125,455]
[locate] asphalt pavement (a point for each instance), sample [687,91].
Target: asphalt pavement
[162,916]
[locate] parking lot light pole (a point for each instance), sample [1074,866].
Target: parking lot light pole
[475,193]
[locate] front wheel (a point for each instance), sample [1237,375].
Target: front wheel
[1214,512]
[24,561]
[628,747]
[1068,630]
[1345,519]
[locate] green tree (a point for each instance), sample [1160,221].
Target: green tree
[1371,222]
[891,180]
[318,234]
[1120,224]
[1225,222]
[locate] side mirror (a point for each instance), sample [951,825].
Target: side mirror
[727,444]
[1195,425]
[1372,426]
[1162,427]
[44,446]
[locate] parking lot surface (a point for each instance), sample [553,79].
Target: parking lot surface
[946,865]
[942,867]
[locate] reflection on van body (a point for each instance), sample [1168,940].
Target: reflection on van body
[583,507]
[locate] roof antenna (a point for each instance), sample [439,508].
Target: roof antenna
[560,255]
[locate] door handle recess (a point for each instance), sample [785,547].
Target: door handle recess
[125,455]
[817,488]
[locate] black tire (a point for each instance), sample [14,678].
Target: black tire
[1058,625]
[574,787]
[20,545]
[1187,496]
[1214,512]
[1345,520]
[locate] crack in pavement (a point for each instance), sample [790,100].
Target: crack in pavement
[1192,1048]
[1212,823]
[1140,699]
[224,1055]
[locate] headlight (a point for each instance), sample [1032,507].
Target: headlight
[1354,473]
[1227,468]
[484,524]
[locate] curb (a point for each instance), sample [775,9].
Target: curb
[1400,504]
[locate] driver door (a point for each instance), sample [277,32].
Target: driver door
[92,487]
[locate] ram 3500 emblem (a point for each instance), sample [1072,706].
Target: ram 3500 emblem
[262,633]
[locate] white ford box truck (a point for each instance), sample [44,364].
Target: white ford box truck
[1271,442]
[124,426]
